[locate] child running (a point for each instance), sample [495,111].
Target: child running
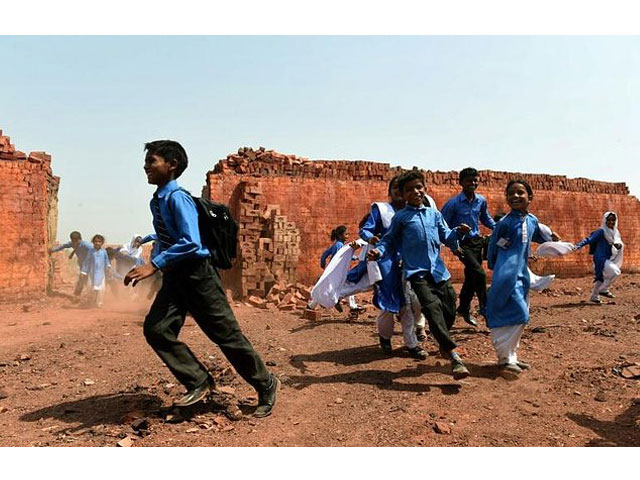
[607,247]
[470,208]
[81,249]
[508,298]
[339,236]
[191,284]
[96,268]
[389,294]
[417,232]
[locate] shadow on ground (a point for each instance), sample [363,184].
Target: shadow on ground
[98,410]
[623,431]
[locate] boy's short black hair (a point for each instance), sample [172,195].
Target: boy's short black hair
[524,183]
[392,182]
[75,234]
[409,176]
[467,172]
[97,236]
[169,150]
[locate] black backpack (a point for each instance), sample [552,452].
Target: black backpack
[218,230]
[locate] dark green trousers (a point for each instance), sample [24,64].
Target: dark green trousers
[195,287]
[438,302]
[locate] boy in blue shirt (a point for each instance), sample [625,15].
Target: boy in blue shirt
[417,232]
[470,208]
[190,283]
[81,249]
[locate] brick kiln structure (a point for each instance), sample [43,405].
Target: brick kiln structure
[29,217]
[310,198]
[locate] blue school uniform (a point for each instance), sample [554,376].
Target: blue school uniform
[459,210]
[389,294]
[81,251]
[175,220]
[95,266]
[509,247]
[602,251]
[417,233]
[330,252]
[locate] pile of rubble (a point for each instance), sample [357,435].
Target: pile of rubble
[286,298]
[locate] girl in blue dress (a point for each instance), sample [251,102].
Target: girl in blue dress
[607,247]
[96,267]
[508,297]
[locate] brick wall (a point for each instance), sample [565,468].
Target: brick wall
[319,195]
[28,219]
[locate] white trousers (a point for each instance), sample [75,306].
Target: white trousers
[385,326]
[506,341]
[415,309]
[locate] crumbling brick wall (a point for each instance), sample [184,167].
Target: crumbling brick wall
[319,195]
[28,219]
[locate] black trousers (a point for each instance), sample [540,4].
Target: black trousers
[475,278]
[438,302]
[195,287]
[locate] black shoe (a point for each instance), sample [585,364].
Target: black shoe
[458,370]
[339,307]
[196,395]
[421,335]
[418,352]
[466,316]
[607,294]
[523,365]
[358,309]
[511,369]
[385,344]
[267,398]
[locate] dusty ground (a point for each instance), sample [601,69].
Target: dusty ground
[83,377]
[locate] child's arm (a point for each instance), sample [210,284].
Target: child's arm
[369,229]
[448,211]
[593,238]
[389,242]
[486,219]
[329,252]
[492,249]
[60,247]
[538,235]
[450,237]
[185,219]
[148,238]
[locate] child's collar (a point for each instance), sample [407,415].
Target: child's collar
[167,188]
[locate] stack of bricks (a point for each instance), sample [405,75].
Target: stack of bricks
[269,244]
[28,218]
[319,195]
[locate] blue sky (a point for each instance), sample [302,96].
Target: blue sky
[560,105]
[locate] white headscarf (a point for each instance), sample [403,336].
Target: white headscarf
[612,235]
[130,250]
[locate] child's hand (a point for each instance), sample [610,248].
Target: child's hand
[459,253]
[463,228]
[555,237]
[533,258]
[374,240]
[355,245]
[373,254]
[138,274]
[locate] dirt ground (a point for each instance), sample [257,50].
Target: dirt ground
[85,377]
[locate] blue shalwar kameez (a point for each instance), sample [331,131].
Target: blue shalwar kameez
[508,297]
